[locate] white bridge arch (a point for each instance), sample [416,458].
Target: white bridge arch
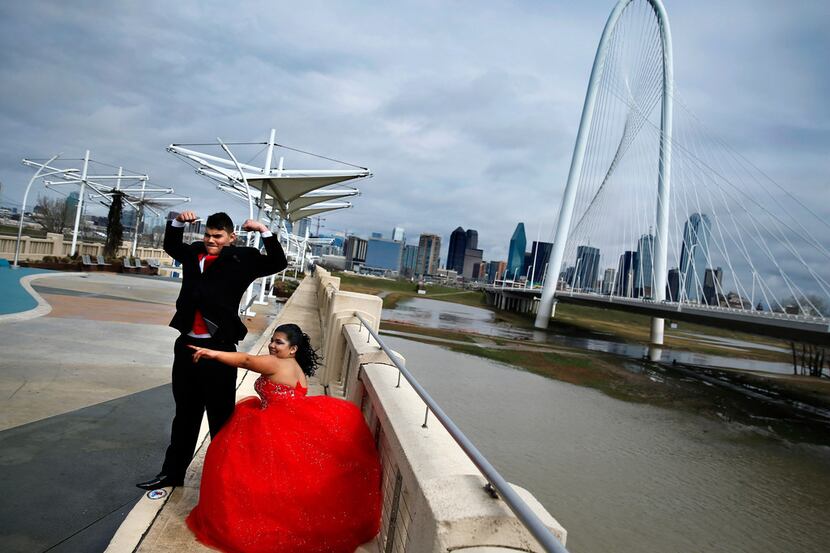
[547,302]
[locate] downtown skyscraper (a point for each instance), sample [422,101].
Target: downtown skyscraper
[471,239]
[644,271]
[694,257]
[625,274]
[586,270]
[455,254]
[463,254]
[539,258]
[516,253]
[429,250]
[409,260]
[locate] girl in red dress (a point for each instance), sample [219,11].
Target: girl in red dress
[287,472]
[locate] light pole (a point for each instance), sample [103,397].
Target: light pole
[80,205]
[535,250]
[575,277]
[139,216]
[25,198]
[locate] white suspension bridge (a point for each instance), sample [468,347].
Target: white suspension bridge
[661,217]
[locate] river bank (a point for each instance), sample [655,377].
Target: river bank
[633,328]
[796,408]
[584,322]
[394,291]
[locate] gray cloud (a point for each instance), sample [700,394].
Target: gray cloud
[466,112]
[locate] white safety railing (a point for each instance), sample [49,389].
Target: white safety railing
[496,482]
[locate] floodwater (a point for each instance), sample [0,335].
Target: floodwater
[452,316]
[633,478]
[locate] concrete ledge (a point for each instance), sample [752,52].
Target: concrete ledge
[434,496]
[468,516]
[435,491]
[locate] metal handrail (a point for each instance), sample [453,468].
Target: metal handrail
[521,509]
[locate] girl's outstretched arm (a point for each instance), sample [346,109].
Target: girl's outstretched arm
[262,364]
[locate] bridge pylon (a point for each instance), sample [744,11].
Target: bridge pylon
[547,303]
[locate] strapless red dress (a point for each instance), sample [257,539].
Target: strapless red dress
[289,472]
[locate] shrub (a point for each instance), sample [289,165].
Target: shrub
[285,288]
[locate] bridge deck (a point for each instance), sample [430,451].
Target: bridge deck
[777,325]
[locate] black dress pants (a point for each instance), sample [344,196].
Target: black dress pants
[206,385]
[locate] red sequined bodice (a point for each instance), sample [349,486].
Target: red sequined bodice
[269,391]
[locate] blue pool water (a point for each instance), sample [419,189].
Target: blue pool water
[13,297]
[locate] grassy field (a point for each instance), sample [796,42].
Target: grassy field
[600,371]
[394,291]
[580,320]
[27,231]
[663,386]
[431,332]
[595,370]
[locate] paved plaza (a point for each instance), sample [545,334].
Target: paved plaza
[85,403]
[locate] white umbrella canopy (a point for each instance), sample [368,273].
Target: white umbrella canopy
[316,210]
[317,197]
[287,191]
[297,209]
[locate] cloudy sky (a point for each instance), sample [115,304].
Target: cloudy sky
[466,112]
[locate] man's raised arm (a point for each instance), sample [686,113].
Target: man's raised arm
[275,260]
[174,233]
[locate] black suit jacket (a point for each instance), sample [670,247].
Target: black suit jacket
[218,291]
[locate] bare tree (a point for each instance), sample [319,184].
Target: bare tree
[818,308]
[50,213]
[820,305]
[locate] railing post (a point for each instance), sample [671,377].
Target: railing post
[340,311]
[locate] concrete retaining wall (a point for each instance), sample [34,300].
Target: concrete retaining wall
[434,496]
[35,249]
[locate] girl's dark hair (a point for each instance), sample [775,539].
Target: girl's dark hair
[306,357]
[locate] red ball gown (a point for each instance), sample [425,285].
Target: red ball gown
[289,472]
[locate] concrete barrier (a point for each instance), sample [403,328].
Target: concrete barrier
[434,497]
[35,249]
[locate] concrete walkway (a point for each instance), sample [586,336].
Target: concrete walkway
[85,405]
[157,525]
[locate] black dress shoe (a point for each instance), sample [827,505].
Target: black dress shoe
[160,481]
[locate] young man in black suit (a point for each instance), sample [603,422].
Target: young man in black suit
[216,275]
